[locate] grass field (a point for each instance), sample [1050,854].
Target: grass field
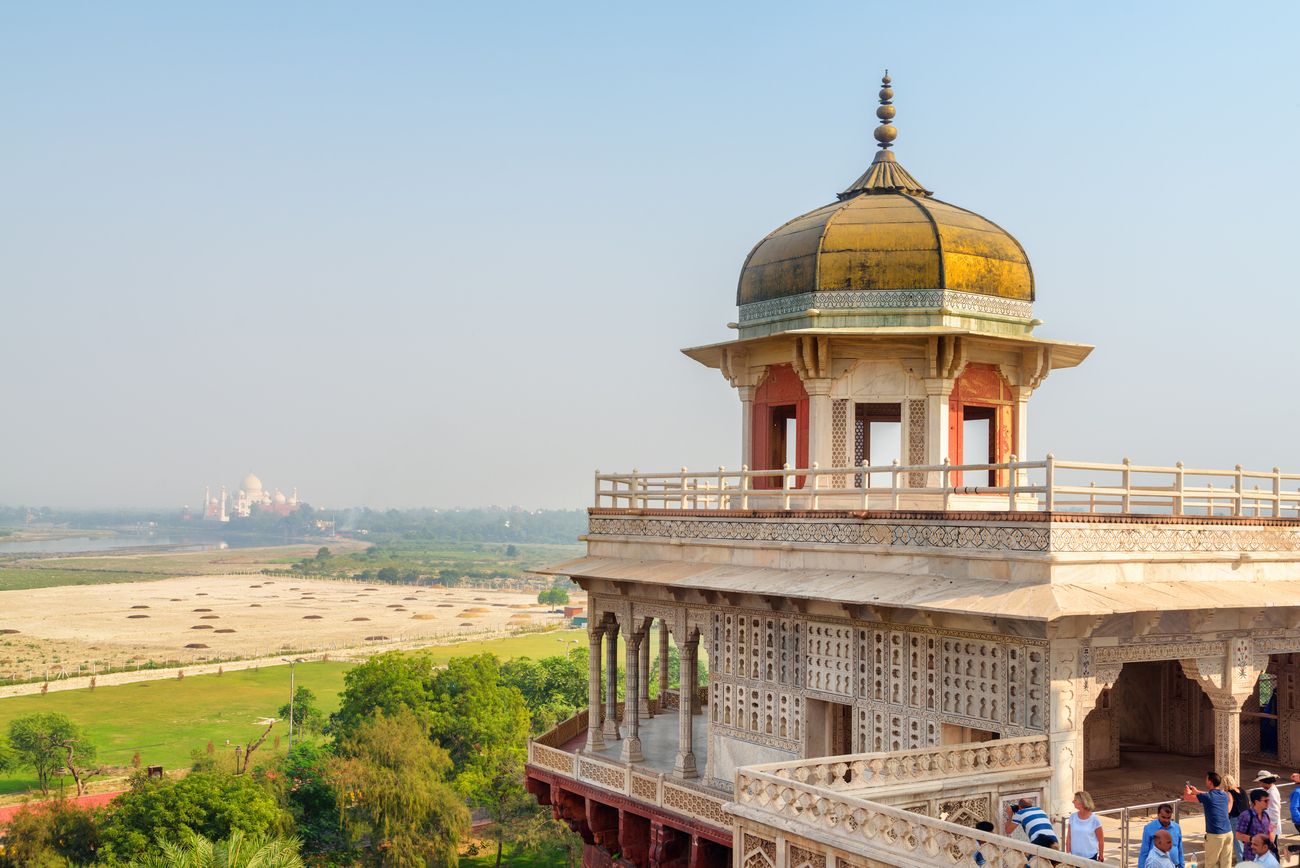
[166,720]
[25,579]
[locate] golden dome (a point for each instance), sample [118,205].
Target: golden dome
[887,241]
[886,234]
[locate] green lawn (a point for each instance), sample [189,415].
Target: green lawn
[25,579]
[165,720]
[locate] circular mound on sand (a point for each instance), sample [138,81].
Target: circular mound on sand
[7,632]
[376,638]
[201,627]
[468,624]
[200,610]
[131,617]
[446,606]
[254,605]
[196,645]
[224,630]
[209,617]
[311,617]
[139,607]
[361,619]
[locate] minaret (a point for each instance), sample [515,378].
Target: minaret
[224,517]
[207,501]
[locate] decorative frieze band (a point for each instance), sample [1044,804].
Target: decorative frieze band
[1107,656]
[968,535]
[876,533]
[929,300]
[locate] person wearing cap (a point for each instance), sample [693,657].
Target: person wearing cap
[1269,781]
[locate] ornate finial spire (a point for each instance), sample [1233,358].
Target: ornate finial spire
[885,175]
[886,132]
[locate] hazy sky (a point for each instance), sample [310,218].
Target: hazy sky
[445,254]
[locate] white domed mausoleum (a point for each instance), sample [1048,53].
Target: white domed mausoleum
[248,498]
[893,618]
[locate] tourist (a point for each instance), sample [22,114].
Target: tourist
[1240,805]
[1035,822]
[1254,822]
[1262,849]
[1162,852]
[1164,821]
[1083,835]
[1268,780]
[982,826]
[1218,831]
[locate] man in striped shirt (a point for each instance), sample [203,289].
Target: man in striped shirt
[1035,822]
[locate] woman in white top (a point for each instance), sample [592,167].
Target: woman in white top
[1083,835]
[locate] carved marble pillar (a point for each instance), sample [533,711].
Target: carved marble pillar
[820,423]
[643,695]
[685,767]
[663,659]
[746,425]
[1227,734]
[611,683]
[632,744]
[1074,691]
[595,739]
[937,391]
[1228,679]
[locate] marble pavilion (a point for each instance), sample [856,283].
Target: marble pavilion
[899,647]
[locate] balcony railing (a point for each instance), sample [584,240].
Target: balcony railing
[637,782]
[858,772]
[865,827]
[1048,485]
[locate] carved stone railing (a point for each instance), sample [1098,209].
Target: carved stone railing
[654,788]
[637,782]
[862,827]
[564,731]
[1048,485]
[869,770]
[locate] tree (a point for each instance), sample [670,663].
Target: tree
[322,554]
[512,551]
[470,711]
[209,803]
[50,744]
[311,798]
[554,688]
[553,597]
[307,716]
[52,833]
[387,574]
[386,683]
[237,851]
[493,781]
[391,783]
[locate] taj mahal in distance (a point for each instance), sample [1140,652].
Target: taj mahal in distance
[900,650]
[250,497]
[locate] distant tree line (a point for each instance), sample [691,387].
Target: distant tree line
[387,780]
[489,524]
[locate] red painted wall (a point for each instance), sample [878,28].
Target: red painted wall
[981,385]
[781,387]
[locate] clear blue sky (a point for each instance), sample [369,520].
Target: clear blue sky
[420,254]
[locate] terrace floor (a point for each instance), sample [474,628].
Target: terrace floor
[658,742]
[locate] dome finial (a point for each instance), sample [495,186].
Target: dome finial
[886,132]
[886,174]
